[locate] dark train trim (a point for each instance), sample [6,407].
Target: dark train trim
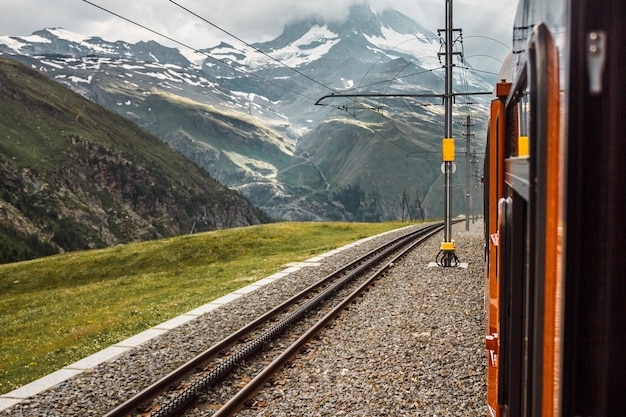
[555,203]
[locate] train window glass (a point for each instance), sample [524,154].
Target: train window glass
[523,117]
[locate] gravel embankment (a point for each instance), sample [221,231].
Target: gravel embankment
[412,346]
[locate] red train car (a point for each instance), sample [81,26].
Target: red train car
[555,207]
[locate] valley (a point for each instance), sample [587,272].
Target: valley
[250,120]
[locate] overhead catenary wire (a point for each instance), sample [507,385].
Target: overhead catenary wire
[396,77]
[299,93]
[388,81]
[182,44]
[508,47]
[253,47]
[355,101]
[485,56]
[384,54]
[169,38]
[464,89]
[379,132]
[491,39]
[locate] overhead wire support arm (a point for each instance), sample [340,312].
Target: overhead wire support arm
[374,95]
[319,100]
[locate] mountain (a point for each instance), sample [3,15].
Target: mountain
[247,114]
[75,175]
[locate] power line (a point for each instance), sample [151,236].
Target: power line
[389,80]
[379,132]
[386,54]
[198,51]
[396,77]
[491,39]
[481,71]
[253,47]
[484,55]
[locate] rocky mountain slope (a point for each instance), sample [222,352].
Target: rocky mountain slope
[74,175]
[249,118]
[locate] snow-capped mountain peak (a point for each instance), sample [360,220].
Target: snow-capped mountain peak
[311,46]
[310,40]
[249,119]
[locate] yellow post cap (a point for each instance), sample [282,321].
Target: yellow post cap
[447,246]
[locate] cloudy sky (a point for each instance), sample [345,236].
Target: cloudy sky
[250,20]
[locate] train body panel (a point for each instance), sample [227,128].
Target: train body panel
[555,201]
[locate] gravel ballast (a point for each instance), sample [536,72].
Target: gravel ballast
[413,345]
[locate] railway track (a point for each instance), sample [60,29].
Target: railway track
[242,363]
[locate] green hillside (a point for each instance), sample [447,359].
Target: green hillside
[75,175]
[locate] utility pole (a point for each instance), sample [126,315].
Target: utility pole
[418,204]
[405,203]
[468,137]
[477,184]
[446,256]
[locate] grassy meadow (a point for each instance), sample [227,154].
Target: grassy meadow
[59,309]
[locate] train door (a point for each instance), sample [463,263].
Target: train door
[529,212]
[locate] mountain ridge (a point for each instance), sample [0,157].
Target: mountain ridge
[385,53]
[77,176]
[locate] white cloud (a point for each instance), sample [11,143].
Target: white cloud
[250,20]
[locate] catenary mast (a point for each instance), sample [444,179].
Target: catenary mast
[447,256]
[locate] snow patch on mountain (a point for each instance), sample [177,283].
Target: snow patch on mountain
[52,64]
[395,44]
[12,43]
[194,57]
[67,35]
[312,46]
[347,84]
[77,80]
[316,43]
[35,39]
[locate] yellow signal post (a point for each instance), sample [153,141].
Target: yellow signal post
[447,246]
[448,150]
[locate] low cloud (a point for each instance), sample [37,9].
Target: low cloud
[250,20]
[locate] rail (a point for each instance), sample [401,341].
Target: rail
[210,367]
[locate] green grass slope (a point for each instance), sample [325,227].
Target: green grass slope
[58,309]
